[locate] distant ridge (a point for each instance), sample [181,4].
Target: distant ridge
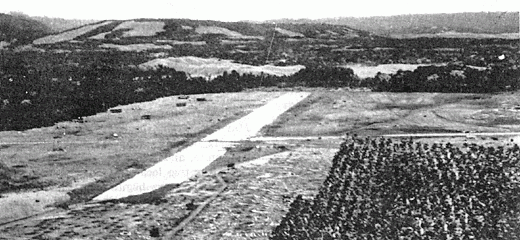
[54,24]
[474,22]
[195,31]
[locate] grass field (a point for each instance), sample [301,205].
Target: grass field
[372,113]
[141,29]
[108,148]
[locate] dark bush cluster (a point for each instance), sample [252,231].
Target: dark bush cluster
[381,189]
[453,78]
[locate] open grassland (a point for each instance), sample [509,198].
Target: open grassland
[223,31]
[212,67]
[68,35]
[140,29]
[288,33]
[105,149]
[374,113]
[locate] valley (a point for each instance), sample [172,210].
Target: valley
[87,108]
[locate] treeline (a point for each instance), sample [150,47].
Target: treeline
[35,96]
[381,189]
[41,93]
[452,78]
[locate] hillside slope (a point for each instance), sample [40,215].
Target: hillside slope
[21,28]
[209,31]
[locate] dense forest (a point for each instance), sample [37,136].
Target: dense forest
[384,189]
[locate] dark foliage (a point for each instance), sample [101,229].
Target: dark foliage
[380,189]
[40,89]
[21,28]
[453,78]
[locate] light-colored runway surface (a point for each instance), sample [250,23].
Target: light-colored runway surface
[191,160]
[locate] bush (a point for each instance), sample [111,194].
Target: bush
[378,189]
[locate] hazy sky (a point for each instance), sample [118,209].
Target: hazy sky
[235,10]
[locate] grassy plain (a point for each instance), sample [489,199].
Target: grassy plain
[101,151]
[335,113]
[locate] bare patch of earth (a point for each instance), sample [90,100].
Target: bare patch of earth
[364,71]
[212,67]
[135,47]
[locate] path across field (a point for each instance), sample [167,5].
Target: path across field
[190,161]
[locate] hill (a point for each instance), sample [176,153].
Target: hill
[54,24]
[23,29]
[192,30]
[478,22]
[249,43]
[60,24]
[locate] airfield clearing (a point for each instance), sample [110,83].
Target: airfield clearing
[101,151]
[294,159]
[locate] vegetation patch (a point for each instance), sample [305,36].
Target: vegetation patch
[17,178]
[380,189]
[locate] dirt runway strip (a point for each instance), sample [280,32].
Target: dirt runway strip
[190,161]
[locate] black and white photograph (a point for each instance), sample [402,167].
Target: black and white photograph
[264,120]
